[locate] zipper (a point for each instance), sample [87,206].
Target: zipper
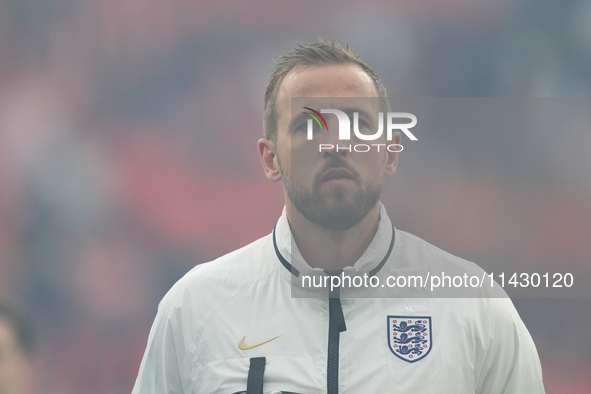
[256,372]
[336,325]
[336,319]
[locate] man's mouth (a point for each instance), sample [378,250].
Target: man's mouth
[335,174]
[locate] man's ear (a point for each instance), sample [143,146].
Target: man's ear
[269,159]
[392,157]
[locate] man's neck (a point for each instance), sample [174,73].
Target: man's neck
[329,249]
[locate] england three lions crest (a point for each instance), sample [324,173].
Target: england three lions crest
[410,337]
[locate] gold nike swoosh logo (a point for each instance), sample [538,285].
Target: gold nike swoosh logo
[245,346]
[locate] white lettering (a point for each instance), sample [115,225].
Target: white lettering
[390,150]
[310,129]
[401,126]
[344,123]
[369,137]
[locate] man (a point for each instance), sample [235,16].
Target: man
[233,325]
[15,347]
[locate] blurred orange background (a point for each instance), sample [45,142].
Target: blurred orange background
[121,166]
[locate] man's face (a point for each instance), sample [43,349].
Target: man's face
[13,362]
[334,190]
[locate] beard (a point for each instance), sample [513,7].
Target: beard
[336,213]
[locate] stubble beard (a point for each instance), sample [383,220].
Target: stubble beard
[339,212]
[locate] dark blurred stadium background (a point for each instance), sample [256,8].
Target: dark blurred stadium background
[121,166]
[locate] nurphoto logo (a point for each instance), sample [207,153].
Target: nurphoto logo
[392,124]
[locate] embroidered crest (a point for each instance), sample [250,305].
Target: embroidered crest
[409,337]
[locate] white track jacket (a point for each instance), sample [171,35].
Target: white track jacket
[232,326]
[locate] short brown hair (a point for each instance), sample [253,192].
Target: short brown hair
[320,52]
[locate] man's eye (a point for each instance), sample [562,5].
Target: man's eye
[300,127]
[362,124]
[304,127]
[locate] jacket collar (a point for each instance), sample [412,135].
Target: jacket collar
[370,262]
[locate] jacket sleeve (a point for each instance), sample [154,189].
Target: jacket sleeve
[511,364]
[166,367]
